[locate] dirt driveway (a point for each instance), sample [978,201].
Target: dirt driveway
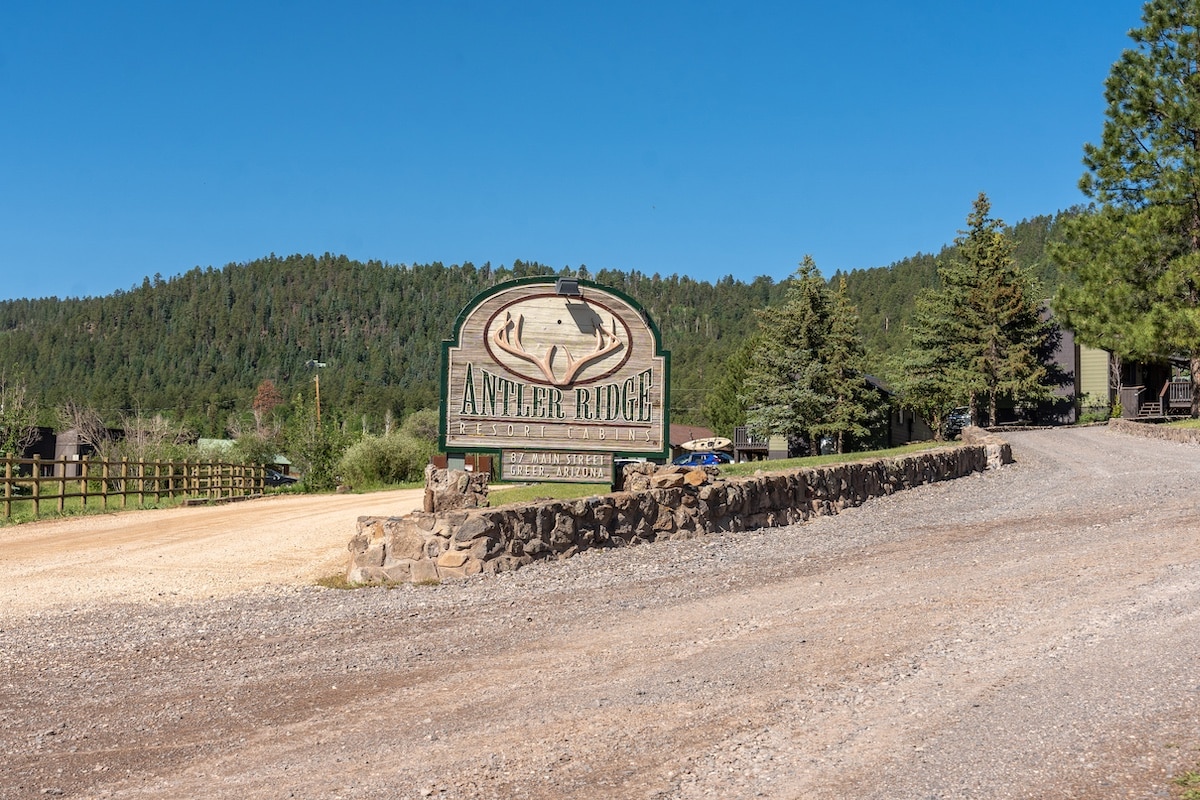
[194,552]
[1030,633]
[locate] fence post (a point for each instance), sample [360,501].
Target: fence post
[83,481]
[37,486]
[8,477]
[124,480]
[104,483]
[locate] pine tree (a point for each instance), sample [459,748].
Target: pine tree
[1132,268]
[856,404]
[786,388]
[925,375]
[979,337]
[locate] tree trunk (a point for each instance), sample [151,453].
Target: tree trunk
[1194,368]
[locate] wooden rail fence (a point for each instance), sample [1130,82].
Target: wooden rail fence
[39,481]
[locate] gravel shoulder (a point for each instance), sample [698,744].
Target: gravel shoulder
[1026,633]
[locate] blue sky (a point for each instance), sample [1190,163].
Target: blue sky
[698,138]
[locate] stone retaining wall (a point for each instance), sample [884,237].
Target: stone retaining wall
[681,503]
[1151,430]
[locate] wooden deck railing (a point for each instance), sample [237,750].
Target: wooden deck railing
[35,481]
[742,438]
[1180,394]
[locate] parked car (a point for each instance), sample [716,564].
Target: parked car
[956,420]
[275,478]
[712,459]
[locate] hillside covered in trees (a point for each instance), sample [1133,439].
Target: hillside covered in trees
[196,346]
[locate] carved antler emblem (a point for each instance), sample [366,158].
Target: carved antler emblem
[508,338]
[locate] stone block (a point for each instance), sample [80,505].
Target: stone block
[358,543]
[448,489]
[400,572]
[371,557]
[452,558]
[434,546]
[425,571]
[604,511]
[485,548]
[475,526]
[666,480]
[535,548]
[562,535]
[366,575]
[407,541]
[372,527]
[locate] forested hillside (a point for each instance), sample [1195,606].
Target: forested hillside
[196,346]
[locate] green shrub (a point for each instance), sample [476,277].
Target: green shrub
[317,452]
[254,449]
[384,460]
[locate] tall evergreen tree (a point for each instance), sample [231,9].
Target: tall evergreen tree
[1132,268]
[786,388]
[806,376]
[979,337]
[925,375]
[856,404]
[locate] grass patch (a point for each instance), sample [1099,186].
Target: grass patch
[1189,785]
[776,465]
[336,581]
[503,494]
[1184,423]
[23,508]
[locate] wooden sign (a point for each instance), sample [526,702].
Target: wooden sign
[534,365]
[556,466]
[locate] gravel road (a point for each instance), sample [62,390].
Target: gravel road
[1028,633]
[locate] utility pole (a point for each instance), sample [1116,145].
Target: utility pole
[317,381]
[313,364]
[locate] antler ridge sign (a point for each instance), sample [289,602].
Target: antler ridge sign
[531,368]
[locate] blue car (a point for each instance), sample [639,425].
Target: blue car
[713,459]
